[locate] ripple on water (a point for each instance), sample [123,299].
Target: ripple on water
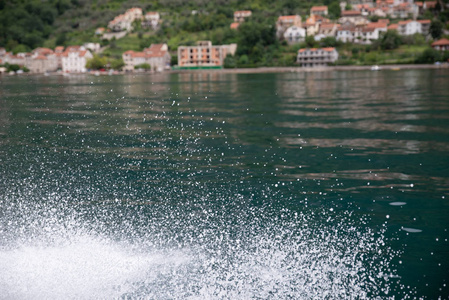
[398,203]
[411,230]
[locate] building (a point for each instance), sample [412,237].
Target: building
[99,30]
[409,27]
[352,16]
[204,54]
[285,22]
[124,21]
[294,34]
[319,10]
[361,34]
[241,15]
[441,45]
[42,60]
[316,57]
[74,59]
[151,20]
[328,29]
[157,56]
[312,24]
[94,47]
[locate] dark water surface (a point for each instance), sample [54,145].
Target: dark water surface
[331,185]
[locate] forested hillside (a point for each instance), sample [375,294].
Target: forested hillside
[27,24]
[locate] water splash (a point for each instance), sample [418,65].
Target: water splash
[52,252]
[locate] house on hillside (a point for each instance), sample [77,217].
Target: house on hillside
[151,20]
[319,10]
[314,57]
[352,16]
[441,45]
[313,23]
[410,27]
[294,34]
[204,54]
[241,15]
[234,25]
[124,21]
[285,22]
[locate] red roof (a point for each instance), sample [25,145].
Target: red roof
[350,13]
[392,27]
[235,25]
[287,18]
[424,21]
[375,25]
[441,42]
[242,12]
[318,8]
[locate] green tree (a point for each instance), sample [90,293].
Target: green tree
[334,10]
[391,40]
[429,56]
[144,66]
[436,29]
[96,62]
[229,62]
[117,64]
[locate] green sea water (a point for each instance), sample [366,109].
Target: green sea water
[322,185]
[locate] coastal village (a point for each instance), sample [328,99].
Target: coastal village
[355,25]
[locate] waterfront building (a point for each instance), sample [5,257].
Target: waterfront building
[317,57]
[42,60]
[74,59]
[204,54]
[157,56]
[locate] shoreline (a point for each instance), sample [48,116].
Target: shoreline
[259,70]
[317,69]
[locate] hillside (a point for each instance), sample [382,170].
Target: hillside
[27,24]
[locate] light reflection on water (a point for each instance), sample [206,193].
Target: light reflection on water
[225,185]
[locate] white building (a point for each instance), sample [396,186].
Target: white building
[241,15]
[294,34]
[285,22]
[316,57]
[74,59]
[410,27]
[151,20]
[124,21]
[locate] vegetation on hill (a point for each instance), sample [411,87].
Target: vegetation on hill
[27,24]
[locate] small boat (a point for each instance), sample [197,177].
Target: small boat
[375,68]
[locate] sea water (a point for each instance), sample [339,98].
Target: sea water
[326,185]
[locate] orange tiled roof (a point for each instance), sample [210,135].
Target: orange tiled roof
[392,27]
[349,13]
[424,21]
[287,18]
[235,25]
[441,42]
[318,8]
[242,12]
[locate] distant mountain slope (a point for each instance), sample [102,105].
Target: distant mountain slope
[27,24]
